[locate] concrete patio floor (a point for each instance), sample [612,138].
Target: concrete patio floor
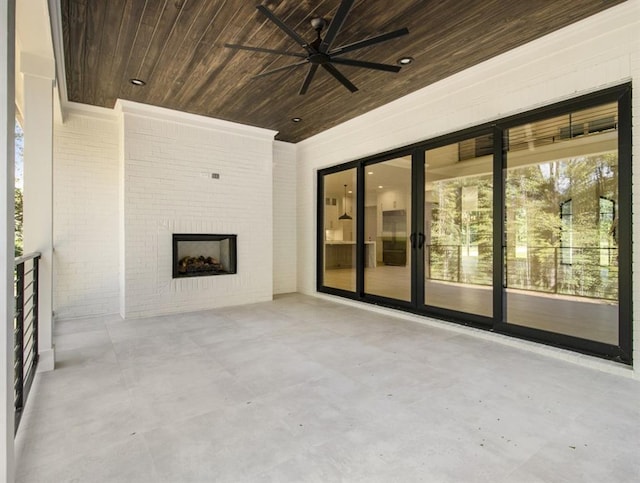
[303,389]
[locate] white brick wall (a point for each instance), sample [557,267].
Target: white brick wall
[597,52]
[164,181]
[167,159]
[85,217]
[284,218]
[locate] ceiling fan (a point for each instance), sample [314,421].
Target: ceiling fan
[320,53]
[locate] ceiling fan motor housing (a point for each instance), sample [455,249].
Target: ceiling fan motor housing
[319,58]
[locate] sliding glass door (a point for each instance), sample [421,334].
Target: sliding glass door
[458,225]
[387,228]
[522,226]
[561,205]
[339,230]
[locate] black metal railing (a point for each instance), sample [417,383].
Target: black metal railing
[25,329]
[590,272]
[460,264]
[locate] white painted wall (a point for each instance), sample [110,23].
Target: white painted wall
[598,52]
[85,200]
[167,160]
[284,218]
[33,36]
[7,120]
[37,76]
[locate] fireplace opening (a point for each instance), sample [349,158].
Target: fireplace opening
[202,255]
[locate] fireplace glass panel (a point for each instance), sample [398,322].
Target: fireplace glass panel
[200,255]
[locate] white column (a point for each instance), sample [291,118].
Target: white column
[7,121]
[38,74]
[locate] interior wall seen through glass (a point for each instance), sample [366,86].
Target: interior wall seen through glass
[339,245]
[387,226]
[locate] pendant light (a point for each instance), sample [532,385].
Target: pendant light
[345,216]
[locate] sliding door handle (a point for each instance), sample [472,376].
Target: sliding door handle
[412,237]
[421,240]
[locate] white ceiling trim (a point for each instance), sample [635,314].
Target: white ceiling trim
[195,120]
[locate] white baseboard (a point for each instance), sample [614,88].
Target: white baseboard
[47,360]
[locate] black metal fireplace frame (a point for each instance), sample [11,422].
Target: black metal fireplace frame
[186,237]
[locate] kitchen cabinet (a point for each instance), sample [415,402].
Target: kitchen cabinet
[331,215]
[342,254]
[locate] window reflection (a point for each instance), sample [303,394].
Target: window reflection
[561,190]
[459,226]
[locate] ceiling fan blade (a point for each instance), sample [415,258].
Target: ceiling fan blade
[367,65]
[285,28]
[308,79]
[342,79]
[370,41]
[336,25]
[279,69]
[266,51]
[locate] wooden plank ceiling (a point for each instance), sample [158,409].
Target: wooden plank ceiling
[177,48]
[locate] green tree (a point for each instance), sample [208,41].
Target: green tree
[548,254]
[19,150]
[18,222]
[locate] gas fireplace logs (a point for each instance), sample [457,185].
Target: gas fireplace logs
[199,264]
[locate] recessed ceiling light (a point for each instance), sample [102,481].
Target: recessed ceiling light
[137,82]
[380,186]
[296,119]
[405,60]
[370,172]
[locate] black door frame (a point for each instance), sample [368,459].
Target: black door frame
[379,299]
[621,352]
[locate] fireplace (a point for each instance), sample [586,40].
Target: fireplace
[202,255]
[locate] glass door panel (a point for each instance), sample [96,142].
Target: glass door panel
[387,226]
[561,203]
[458,226]
[340,230]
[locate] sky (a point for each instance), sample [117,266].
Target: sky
[19,137]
